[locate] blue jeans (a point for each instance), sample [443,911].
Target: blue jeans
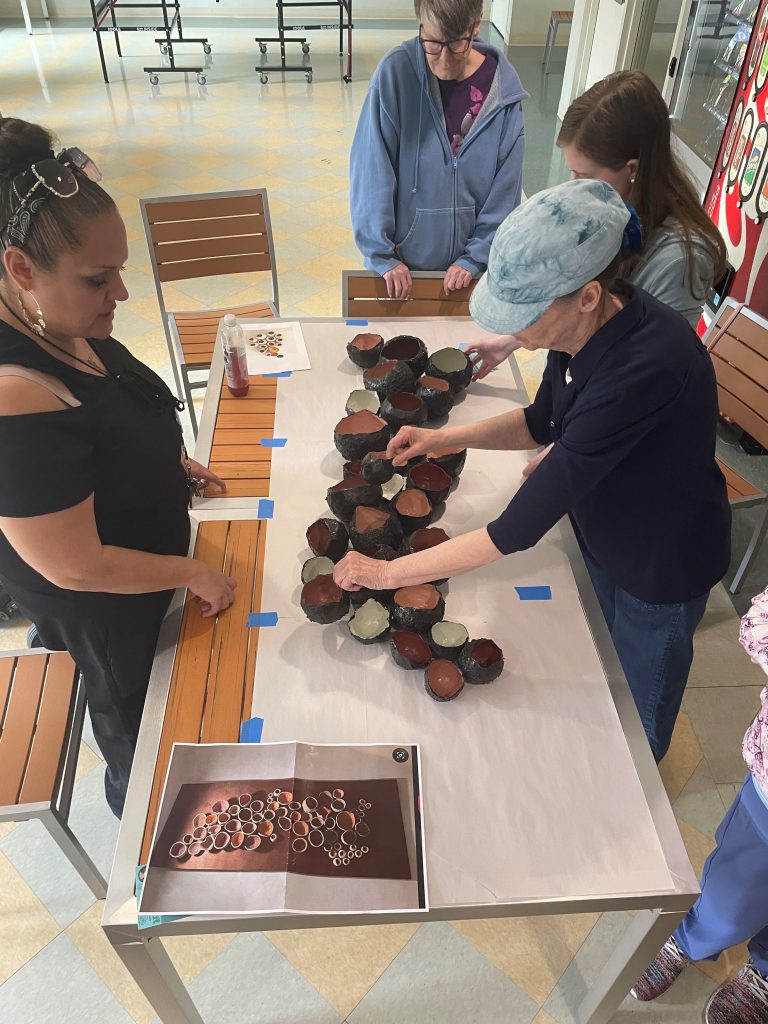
[733,906]
[654,643]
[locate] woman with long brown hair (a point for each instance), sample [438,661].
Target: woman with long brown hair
[618,131]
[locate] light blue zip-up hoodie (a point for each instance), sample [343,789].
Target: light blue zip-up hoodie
[411,199]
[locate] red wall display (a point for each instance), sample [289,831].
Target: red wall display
[737,197]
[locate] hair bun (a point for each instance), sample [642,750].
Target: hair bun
[21,145]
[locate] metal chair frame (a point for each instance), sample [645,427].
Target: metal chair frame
[54,814]
[554,24]
[181,368]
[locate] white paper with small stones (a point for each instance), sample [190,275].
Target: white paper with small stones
[274,347]
[531,791]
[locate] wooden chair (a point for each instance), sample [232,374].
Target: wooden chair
[200,236]
[42,706]
[738,344]
[364,295]
[556,19]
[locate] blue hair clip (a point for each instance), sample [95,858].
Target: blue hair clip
[633,233]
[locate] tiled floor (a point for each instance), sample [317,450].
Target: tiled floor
[56,967]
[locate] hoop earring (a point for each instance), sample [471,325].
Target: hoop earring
[37,326]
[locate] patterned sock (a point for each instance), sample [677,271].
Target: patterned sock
[663,972]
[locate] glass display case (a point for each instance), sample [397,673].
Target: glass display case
[716,44]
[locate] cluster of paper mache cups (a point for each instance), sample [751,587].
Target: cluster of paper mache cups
[385,512]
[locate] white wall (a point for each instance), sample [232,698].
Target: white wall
[606,40]
[501,14]
[568,94]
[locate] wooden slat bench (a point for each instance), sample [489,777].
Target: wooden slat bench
[41,720]
[211,686]
[738,344]
[364,295]
[237,455]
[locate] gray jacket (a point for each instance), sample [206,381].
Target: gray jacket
[663,271]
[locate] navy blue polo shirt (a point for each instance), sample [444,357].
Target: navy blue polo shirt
[633,417]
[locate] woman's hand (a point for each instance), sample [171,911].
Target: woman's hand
[203,476]
[409,442]
[355,571]
[490,352]
[399,282]
[456,277]
[215,590]
[531,465]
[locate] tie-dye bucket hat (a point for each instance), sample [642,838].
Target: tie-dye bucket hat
[552,245]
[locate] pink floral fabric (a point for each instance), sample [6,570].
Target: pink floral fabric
[753,634]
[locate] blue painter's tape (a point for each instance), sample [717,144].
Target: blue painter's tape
[266,508]
[251,730]
[284,373]
[273,442]
[150,920]
[357,323]
[258,619]
[534,593]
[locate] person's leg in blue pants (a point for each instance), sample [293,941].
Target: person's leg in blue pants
[654,643]
[733,906]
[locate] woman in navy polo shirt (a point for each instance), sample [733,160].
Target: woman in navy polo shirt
[629,402]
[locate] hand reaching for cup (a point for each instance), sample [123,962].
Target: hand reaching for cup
[410,442]
[487,353]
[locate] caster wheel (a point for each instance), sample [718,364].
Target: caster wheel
[308,75]
[347,79]
[305,47]
[263,47]
[201,79]
[206,48]
[154,80]
[264,79]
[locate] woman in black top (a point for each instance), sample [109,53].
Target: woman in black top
[94,526]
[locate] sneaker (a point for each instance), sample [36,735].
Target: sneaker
[669,964]
[742,1000]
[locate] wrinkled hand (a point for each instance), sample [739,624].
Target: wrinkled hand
[456,277]
[355,571]
[204,476]
[534,462]
[215,590]
[399,282]
[490,352]
[409,442]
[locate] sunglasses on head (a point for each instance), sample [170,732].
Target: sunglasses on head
[56,176]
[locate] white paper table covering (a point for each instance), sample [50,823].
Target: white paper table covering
[529,787]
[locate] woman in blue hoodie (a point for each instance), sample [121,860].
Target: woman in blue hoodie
[437,159]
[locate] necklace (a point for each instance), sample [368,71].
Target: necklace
[90,361]
[140,386]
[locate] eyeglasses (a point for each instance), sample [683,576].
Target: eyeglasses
[434,47]
[56,176]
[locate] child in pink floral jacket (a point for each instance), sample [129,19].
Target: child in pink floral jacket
[733,906]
